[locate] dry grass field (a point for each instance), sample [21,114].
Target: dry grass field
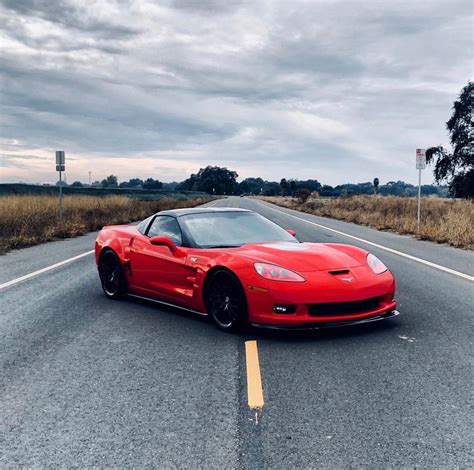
[442,220]
[30,220]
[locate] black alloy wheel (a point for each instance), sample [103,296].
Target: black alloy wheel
[111,275]
[226,301]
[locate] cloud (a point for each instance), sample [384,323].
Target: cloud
[331,90]
[17,160]
[72,16]
[212,7]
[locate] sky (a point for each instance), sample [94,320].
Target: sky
[335,91]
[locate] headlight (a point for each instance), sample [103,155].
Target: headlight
[375,264]
[277,273]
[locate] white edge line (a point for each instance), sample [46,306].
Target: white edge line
[43,270]
[382,247]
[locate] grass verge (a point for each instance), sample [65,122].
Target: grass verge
[30,220]
[442,220]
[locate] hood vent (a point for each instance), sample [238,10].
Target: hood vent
[339,272]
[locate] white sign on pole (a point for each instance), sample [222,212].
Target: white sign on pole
[420,159]
[60,158]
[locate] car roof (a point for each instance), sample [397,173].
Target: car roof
[201,210]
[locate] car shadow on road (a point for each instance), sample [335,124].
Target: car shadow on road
[325,334]
[251,332]
[157,307]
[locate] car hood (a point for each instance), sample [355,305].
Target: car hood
[300,257]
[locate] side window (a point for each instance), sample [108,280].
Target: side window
[167,226]
[141,227]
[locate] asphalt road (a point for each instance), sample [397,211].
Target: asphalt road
[89,382]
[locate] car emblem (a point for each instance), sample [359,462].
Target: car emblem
[346,279]
[194,259]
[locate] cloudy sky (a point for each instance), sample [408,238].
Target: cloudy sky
[337,91]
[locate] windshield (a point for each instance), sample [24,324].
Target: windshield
[226,229]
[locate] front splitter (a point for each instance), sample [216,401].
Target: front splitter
[335,324]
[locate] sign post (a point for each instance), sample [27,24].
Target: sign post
[60,166]
[420,165]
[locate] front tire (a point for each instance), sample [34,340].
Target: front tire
[226,302]
[112,276]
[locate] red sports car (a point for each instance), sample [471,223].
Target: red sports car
[240,267]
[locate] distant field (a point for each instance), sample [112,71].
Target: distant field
[142,194]
[27,220]
[442,220]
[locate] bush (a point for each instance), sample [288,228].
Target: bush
[302,194]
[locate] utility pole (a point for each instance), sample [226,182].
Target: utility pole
[90,178]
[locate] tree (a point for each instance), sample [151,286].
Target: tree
[77,184]
[312,185]
[150,183]
[212,180]
[132,183]
[457,168]
[462,185]
[376,184]
[171,185]
[244,187]
[251,186]
[285,187]
[109,182]
[292,187]
[397,188]
[271,188]
[327,191]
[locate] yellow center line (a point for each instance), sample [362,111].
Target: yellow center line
[254,379]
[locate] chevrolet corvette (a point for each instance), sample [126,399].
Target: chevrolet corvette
[239,267]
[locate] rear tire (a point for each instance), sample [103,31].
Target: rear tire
[226,302]
[112,276]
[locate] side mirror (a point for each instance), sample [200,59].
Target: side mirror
[163,241]
[291,232]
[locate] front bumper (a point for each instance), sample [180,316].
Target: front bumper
[334,324]
[321,289]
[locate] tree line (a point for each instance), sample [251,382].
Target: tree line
[222,181]
[134,183]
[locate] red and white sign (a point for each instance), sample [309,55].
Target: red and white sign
[420,159]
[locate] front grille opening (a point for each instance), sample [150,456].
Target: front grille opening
[339,272]
[344,308]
